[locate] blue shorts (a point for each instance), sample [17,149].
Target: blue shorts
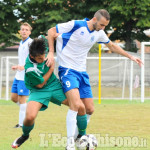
[72,79]
[19,88]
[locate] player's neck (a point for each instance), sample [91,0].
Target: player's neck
[23,39]
[90,25]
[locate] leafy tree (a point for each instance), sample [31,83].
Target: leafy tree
[43,14]
[129,18]
[9,25]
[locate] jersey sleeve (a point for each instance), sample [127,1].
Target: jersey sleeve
[103,38]
[33,78]
[65,27]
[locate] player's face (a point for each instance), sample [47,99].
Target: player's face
[25,32]
[39,58]
[101,24]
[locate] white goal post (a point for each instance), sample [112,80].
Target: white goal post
[143,44]
[5,60]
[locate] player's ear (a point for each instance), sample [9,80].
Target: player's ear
[94,19]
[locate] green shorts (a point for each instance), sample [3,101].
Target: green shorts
[51,93]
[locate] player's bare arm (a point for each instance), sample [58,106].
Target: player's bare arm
[52,35]
[117,49]
[17,67]
[47,76]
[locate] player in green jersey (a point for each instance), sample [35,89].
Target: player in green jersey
[44,88]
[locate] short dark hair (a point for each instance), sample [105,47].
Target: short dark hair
[37,47]
[102,12]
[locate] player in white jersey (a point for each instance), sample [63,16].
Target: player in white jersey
[19,91]
[73,41]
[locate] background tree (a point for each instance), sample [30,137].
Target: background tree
[8,23]
[43,14]
[129,18]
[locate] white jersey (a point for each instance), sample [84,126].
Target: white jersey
[74,42]
[23,52]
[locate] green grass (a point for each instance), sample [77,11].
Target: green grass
[113,118]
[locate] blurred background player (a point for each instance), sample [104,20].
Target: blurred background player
[19,91]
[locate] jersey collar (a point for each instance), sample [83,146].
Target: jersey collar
[25,40]
[87,19]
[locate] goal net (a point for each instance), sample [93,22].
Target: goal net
[120,77]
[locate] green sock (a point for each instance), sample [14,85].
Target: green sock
[82,124]
[27,129]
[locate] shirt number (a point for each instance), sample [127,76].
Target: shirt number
[68,84]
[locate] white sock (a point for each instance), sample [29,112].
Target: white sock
[71,124]
[76,131]
[22,113]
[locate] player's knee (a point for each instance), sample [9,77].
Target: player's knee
[30,117]
[90,110]
[81,110]
[75,106]
[14,99]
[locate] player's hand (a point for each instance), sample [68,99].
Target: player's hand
[14,68]
[137,60]
[50,59]
[17,67]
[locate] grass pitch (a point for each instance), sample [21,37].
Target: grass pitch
[113,122]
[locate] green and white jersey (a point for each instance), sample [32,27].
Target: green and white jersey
[34,73]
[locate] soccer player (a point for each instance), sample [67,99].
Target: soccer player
[73,41]
[19,91]
[44,87]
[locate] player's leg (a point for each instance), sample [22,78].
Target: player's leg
[72,119]
[23,92]
[89,106]
[22,111]
[14,92]
[75,105]
[14,96]
[81,119]
[86,97]
[32,110]
[65,102]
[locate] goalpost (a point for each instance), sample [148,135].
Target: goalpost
[143,44]
[110,65]
[5,61]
